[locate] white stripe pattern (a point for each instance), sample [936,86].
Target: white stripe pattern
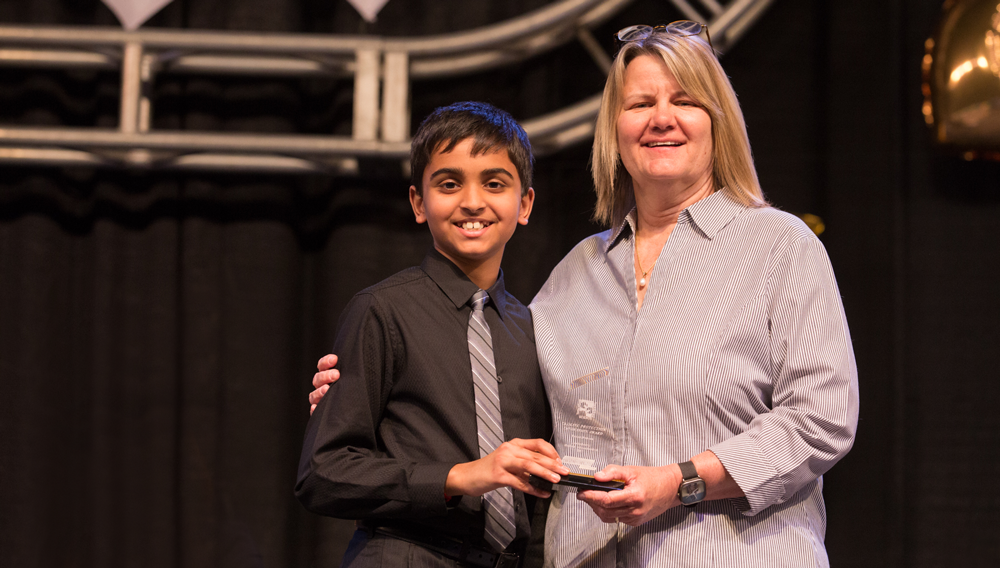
[499,504]
[740,347]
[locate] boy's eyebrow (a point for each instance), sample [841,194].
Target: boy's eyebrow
[460,172]
[495,171]
[448,171]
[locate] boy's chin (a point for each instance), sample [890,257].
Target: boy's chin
[469,255]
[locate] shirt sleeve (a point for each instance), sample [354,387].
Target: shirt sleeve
[342,472]
[814,403]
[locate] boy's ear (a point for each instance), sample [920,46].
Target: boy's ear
[417,202]
[527,200]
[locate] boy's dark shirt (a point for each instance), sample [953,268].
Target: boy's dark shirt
[380,444]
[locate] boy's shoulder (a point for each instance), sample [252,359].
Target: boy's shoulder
[401,278]
[388,295]
[382,307]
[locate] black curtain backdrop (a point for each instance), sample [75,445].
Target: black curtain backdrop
[158,331]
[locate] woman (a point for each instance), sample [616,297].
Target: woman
[712,332]
[703,329]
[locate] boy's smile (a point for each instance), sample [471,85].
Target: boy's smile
[472,204]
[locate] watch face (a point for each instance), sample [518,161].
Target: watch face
[691,491]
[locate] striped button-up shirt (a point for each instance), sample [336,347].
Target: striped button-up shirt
[741,347]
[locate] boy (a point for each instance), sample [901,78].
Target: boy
[412,443]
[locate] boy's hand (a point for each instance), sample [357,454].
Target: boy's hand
[509,465]
[325,375]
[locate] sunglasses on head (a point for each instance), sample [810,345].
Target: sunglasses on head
[680,27]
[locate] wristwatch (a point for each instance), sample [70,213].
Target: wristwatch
[692,488]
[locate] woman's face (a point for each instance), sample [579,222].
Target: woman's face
[664,137]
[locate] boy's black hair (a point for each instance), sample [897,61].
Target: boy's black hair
[490,128]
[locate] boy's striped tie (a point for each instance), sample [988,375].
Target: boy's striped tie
[499,504]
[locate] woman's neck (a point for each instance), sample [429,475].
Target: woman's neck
[658,208]
[657,212]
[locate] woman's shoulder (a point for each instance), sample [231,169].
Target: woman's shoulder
[781,238]
[589,254]
[584,258]
[596,243]
[780,225]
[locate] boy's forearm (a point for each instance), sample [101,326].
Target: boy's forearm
[352,484]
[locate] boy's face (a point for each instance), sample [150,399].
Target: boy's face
[471,204]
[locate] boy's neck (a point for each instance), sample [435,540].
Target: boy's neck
[483,273]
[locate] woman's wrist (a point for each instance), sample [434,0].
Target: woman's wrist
[718,483]
[672,482]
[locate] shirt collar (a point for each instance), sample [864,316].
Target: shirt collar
[457,286]
[709,216]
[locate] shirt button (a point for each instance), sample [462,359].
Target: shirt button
[499,379]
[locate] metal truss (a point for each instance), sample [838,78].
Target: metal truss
[382,68]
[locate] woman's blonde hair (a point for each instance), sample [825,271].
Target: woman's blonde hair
[693,64]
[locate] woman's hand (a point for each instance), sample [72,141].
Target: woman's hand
[648,492]
[508,465]
[325,375]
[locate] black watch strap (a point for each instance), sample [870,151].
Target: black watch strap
[688,471]
[692,489]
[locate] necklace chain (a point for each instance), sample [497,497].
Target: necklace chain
[638,261]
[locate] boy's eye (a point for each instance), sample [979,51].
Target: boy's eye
[495,185]
[448,184]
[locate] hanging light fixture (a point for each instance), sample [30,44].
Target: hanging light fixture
[961,79]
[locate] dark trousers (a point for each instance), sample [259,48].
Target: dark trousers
[381,551]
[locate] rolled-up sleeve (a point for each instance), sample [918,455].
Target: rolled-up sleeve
[342,471]
[813,407]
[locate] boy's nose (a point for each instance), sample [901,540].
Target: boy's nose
[472,200]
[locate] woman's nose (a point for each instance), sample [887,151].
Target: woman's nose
[663,116]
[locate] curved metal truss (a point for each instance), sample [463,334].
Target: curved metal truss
[382,69]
